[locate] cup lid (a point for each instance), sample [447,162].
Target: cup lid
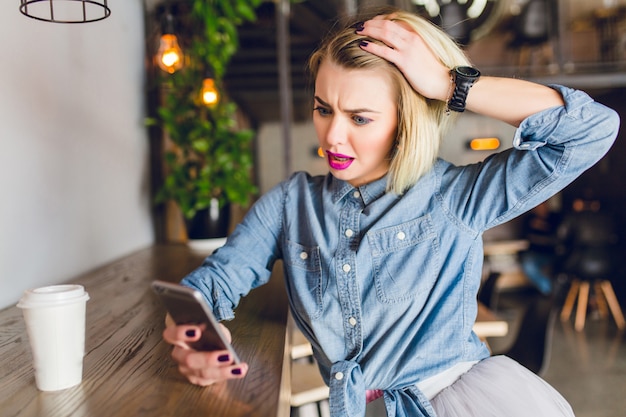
[53,295]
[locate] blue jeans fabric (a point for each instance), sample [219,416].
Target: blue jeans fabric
[536,266]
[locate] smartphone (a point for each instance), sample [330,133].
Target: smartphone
[187,306]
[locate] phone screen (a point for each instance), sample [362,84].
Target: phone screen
[186,306]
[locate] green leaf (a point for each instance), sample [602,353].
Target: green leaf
[212,158]
[246,11]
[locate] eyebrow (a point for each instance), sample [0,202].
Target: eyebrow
[359,110]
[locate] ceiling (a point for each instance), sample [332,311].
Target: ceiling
[252,77]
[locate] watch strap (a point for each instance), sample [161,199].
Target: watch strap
[462,85]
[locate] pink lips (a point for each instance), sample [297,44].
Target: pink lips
[339,161]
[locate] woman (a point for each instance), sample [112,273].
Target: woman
[383,255]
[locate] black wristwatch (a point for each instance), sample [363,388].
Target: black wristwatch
[464,78]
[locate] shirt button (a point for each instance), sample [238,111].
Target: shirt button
[339,376]
[349,232]
[356,194]
[303,255]
[346,268]
[401,235]
[352,321]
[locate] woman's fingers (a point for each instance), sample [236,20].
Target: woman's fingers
[181,335]
[205,368]
[391,34]
[200,368]
[234,373]
[226,332]
[407,50]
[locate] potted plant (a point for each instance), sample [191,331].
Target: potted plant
[209,162]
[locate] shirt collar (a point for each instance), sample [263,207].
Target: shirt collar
[369,192]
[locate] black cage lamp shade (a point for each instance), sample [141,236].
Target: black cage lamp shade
[66,11]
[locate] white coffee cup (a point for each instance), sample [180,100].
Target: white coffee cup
[55,322]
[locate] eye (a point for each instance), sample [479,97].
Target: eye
[322,111]
[360,120]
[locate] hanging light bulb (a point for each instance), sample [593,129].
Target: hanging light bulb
[209,93]
[170,56]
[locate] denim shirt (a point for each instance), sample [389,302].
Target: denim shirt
[384,286]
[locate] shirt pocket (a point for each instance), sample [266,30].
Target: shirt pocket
[304,283]
[405,260]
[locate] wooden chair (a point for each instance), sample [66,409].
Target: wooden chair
[591,276]
[307,385]
[593,257]
[300,346]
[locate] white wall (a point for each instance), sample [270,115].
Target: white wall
[271,153]
[73,147]
[270,158]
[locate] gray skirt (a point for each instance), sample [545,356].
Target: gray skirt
[500,387]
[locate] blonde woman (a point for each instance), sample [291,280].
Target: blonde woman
[383,255]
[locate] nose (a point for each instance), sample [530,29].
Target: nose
[336,131]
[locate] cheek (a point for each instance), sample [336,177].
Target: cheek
[381,143]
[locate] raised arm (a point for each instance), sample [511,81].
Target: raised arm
[507,99]
[510,100]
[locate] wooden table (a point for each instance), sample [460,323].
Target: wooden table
[488,324]
[128,371]
[505,247]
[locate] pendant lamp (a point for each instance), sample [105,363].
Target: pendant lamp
[169,56]
[210,94]
[66,11]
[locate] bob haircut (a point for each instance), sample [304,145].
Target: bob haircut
[422,122]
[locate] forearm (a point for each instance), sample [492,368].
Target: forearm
[510,100]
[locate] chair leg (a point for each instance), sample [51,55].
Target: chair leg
[581,309]
[611,299]
[601,299]
[524,57]
[566,312]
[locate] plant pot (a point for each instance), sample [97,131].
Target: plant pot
[209,227]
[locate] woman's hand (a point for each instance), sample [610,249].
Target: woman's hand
[408,51]
[200,368]
[507,99]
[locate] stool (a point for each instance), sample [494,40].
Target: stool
[605,296]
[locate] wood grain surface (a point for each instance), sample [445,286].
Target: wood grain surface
[127,367]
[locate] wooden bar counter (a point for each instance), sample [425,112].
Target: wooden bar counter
[128,371]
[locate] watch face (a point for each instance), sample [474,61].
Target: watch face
[468,72]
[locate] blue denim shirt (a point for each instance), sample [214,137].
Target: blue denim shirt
[384,286]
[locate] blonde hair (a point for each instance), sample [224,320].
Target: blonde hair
[422,122]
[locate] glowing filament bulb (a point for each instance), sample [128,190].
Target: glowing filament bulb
[170,56]
[210,95]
